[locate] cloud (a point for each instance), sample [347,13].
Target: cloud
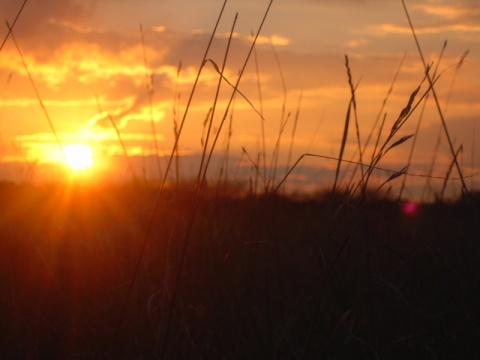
[137,109]
[75,27]
[276,40]
[457,12]
[356,43]
[159,28]
[26,102]
[38,13]
[385,29]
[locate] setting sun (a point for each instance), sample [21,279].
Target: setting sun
[78,156]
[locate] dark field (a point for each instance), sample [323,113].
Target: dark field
[262,277]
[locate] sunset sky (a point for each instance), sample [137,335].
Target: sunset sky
[87,63]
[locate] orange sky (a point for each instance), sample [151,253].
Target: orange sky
[87,55]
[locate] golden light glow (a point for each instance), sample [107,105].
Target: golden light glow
[78,156]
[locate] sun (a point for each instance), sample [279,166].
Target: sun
[78,156]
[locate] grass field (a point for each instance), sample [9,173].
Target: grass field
[265,276]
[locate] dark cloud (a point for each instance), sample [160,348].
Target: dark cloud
[38,13]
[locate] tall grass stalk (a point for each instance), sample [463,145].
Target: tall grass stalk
[161,188]
[201,180]
[437,102]
[10,28]
[377,119]
[387,145]
[236,90]
[208,121]
[355,114]
[276,151]
[398,124]
[342,145]
[462,60]
[384,104]
[417,129]
[193,208]
[262,120]
[30,173]
[449,171]
[226,157]
[294,129]
[255,164]
[312,139]
[37,94]
[2,106]
[202,169]
[377,141]
[427,187]
[176,97]
[120,140]
[149,89]
[336,159]
[283,122]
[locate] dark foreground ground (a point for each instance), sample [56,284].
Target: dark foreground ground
[262,277]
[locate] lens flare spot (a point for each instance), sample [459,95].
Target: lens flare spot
[410,208]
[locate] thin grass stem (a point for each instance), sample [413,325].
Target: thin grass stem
[199,187]
[294,129]
[37,93]
[283,122]
[120,140]
[10,28]
[355,113]
[260,101]
[342,146]
[417,129]
[437,102]
[159,193]
[149,88]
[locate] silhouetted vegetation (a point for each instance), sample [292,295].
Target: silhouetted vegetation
[264,276]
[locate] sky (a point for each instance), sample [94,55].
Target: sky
[115,77]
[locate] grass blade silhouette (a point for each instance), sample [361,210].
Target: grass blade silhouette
[162,185]
[10,28]
[437,102]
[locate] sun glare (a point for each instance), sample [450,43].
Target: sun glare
[78,156]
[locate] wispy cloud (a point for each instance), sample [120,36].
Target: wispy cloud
[37,14]
[357,42]
[75,27]
[276,40]
[386,29]
[452,12]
